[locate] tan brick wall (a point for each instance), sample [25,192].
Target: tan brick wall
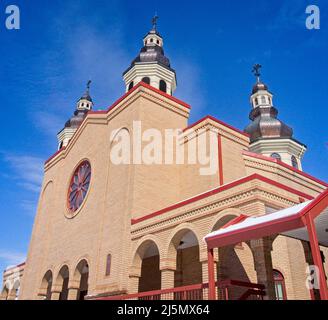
[119,193]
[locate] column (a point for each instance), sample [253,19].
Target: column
[133,286]
[74,289]
[317,259]
[167,282]
[261,249]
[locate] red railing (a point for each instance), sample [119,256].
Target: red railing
[225,291]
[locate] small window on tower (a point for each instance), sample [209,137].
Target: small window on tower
[276,156]
[131,85]
[294,162]
[151,40]
[158,42]
[162,86]
[256,101]
[263,99]
[146,80]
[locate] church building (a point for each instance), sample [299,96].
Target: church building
[149,229]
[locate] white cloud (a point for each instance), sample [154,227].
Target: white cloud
[28,171]
[11,258]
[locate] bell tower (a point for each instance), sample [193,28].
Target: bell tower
[83,105]
[269,135]
[151,65]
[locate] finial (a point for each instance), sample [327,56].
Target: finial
[256,70]
[88,86]
[154,21]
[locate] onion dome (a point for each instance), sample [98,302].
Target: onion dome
[265,123]
[151,66]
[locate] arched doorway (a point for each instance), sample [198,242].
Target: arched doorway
[147,258]
[46,285]
[81,274]
[62,281]
[185,248]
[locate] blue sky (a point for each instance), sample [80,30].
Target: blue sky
[211,44]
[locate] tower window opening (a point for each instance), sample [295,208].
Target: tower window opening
[162,86]
[146,80]
[256,101]
[263,99]
[151,40]
[131,85]
[294,162]
[157,41]
[276,156]
[82,104]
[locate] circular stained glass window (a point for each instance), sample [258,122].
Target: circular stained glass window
[79,186]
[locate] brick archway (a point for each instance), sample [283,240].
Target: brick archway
[79,284]
[46,286]
[183,251]
[146,261]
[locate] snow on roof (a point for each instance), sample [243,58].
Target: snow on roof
[258,220]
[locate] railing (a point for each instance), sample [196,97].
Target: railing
[225,291]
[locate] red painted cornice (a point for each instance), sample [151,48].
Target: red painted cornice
[219,122]
[228,186]
[285,165]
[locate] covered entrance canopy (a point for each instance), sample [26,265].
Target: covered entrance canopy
[307,221]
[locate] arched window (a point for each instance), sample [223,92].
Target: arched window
[263,99]
[162,86]
[279,284]
[131,85]
[294,162]
[256,101]
[146,80]
[276,156]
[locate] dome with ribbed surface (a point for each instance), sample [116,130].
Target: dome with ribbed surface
[266,125]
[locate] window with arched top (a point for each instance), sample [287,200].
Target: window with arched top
[162,86]
[263,99]
[294,162]
[276,156]
[279,284]
[256,101]
[146,80]
[131,85]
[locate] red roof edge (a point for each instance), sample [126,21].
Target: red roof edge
[262,157]
[55,154]
[145,85]
[218,121]
[12,268]
[220,189]
[140,84]
[236,220]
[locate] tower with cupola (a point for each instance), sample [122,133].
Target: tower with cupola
[151,66]
[270,136]
[83,106]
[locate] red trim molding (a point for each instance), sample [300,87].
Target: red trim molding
[220,189]
[147,86]
[285,165]
[219,122]
[55,154]
[12,268]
